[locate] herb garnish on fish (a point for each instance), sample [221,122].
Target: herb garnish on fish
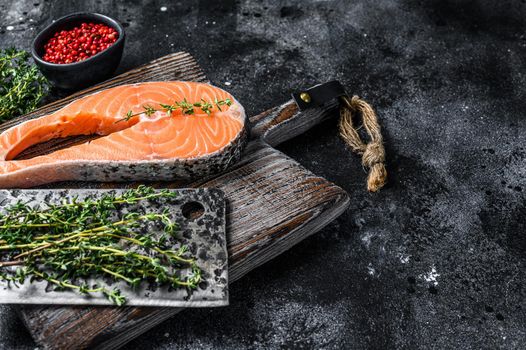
[185,106]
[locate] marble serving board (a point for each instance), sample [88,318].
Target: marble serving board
[200,216]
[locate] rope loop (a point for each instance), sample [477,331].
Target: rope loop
[373,153]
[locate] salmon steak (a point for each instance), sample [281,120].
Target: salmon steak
[148,131]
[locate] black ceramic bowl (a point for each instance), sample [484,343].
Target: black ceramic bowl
[92,70]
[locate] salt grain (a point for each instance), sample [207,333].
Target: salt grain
[9,28]
[371,270]
[163,9]
[431,276]
[227,83]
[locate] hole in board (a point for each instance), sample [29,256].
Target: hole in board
[193,210]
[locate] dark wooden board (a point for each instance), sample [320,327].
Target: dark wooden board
[273,203]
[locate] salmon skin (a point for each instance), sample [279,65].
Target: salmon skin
[160,146]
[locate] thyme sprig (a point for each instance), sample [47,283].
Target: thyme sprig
[186,108]
[22,86]
[68,244]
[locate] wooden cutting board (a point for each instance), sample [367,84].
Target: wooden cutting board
[272,204]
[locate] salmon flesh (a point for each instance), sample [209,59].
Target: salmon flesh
[154,146]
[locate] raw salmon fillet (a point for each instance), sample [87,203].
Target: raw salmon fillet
[155,147]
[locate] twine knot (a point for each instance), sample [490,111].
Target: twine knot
[373,153]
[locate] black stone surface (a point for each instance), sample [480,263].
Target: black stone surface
[437,259]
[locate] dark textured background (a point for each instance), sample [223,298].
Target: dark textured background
[437,259]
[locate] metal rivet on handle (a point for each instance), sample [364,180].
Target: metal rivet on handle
[305,97]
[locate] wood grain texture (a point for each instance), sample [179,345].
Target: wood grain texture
[273,203]
[284,122]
